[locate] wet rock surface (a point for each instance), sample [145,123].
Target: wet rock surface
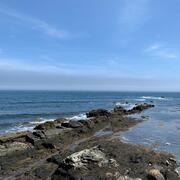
[66,149]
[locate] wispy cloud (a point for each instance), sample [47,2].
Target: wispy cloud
[36,23]
[160,51]
[134,12]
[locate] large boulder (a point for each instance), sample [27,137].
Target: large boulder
[45,126]
[97,113]
[72,124]
[60,120]
[88,163]
[87,123]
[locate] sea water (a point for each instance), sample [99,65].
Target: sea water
[22,110]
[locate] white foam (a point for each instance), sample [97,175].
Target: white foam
[124,139]
[78,117]
[141,100]
[41,120]
[153,97]
[19,129]
[126,106]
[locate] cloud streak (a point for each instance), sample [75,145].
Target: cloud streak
[36,23]
[159,51]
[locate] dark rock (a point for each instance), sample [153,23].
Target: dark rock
[48,145]
[31,139]
[171,175]
[57,159]
[39,134]
[119,109]
[155,174]
[72,124]
[98,112]
[140,108]
[177,170]
[60,120]
[45,126]
[100,119]
[87,123]
[136,158]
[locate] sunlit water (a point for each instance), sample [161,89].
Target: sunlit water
[22,110]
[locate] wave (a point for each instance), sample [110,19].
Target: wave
[19,128]
[29,126]
[153,97]
[141,100]
[125,105]
[78,117]
[40,120]
[24,126]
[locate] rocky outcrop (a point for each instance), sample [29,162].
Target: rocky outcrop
[137,109]
[66,149]
[141,107]
[97,113]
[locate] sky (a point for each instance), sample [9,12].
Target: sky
[109,45]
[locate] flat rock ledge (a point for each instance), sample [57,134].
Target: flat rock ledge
[83,150]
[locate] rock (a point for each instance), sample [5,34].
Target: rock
[40,134]
[156,174]
[135,158]
[98,112]
[171,175]
[85,157]
[118,176]
[48,145]
[12,147]
[119,110]
[140,108]
[172,160]
[56,159]
[87,123]
[177,170]
[31,139]
[60,120]
[72,124]
[13,136]
[45,126]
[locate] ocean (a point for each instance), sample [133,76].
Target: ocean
[22,110]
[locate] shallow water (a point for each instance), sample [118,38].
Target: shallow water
[22,110]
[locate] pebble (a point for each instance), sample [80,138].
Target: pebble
[177,170]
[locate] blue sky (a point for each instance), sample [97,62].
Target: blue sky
[90,45]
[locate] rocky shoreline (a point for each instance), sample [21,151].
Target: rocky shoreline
[84,150]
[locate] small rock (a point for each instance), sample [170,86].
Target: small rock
[120,110]
[155,173]
[48,145]
[135,158]
[177,170]
[57,159]
[39,134]
[167,163]
[172,159]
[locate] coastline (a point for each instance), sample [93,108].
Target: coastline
[48,152]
